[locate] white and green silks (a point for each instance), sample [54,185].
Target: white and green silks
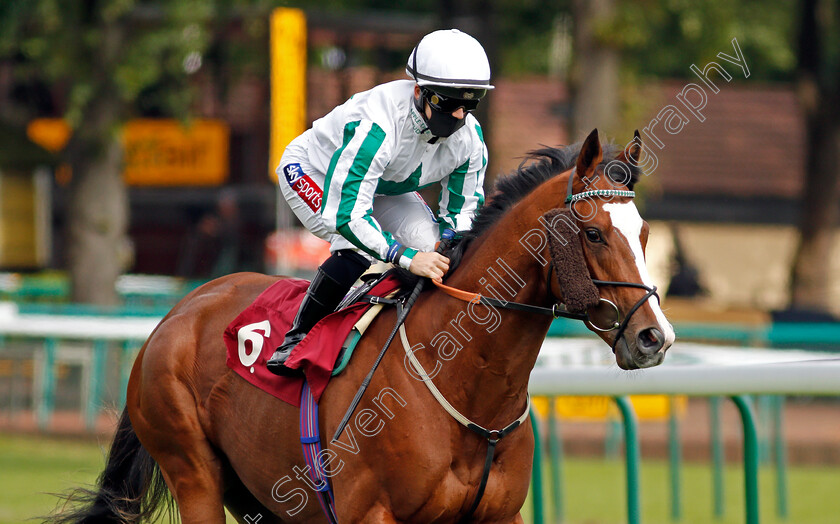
[377,144]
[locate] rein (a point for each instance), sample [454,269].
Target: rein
[402,312]
[556,311]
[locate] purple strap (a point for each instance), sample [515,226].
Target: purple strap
[311,442]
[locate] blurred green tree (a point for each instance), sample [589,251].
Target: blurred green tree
[818,88]
[619,46]
[101,56]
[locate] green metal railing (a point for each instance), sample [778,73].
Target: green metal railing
[674,460]
[536,473]
[633,463]
[750,458]
[45,403]
[46,336]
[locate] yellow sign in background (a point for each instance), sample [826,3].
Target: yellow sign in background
[166,153]
[647,407]
[158,152]
[288,81]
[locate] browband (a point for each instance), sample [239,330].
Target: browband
[593,193]
[599,192]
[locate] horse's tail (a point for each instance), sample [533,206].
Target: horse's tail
[130,489]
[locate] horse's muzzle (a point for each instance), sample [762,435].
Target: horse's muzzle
[649,341]
[645,350]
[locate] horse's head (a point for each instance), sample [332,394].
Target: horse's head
[613,238]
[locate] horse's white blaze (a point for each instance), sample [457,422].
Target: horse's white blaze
[626,219]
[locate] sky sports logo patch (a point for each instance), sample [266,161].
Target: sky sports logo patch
[301,184]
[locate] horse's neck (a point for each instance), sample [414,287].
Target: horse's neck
[499,346]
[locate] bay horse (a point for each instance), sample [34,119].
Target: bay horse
[194,428]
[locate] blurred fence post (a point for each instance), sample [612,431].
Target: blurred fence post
[556,453]
[97,377]
[632,458]
[717,457]
[47,386]
[780,456]
[742,402]
[536,472]
[674,453]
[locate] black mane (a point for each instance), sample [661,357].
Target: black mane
[510,189]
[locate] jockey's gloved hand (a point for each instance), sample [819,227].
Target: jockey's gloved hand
[429,264]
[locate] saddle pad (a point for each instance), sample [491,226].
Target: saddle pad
[253,336]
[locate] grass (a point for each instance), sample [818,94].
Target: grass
[595,494]
[33,467]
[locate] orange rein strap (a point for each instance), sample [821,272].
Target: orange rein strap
[460,294]
[556,310]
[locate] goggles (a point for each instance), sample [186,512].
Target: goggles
[451,99]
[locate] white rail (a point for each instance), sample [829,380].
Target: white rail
[816,377]
[80,327]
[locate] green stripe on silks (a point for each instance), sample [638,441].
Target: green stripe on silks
[412,183]
[350,188]
[478,190]
[388,237]
[481,137]
[349,132]
[347,233]
[455,187]
[358,171]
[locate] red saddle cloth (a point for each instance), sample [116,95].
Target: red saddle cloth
[254,335]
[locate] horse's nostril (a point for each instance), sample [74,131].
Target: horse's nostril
[650,340]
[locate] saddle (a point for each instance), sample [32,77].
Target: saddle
[362,294]
[252,336]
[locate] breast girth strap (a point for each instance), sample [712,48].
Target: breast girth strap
[493,436]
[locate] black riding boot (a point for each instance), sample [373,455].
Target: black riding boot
[332,281]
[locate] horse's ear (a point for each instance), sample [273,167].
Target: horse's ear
[633,151]
[590,155]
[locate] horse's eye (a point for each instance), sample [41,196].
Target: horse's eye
[593,235]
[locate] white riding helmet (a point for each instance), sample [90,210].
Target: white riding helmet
[449,58]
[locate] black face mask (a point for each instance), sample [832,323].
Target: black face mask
[440,124]
[444,124]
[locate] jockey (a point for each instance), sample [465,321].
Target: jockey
[352,178]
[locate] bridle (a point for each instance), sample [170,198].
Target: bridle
[621,326]
[558,309]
